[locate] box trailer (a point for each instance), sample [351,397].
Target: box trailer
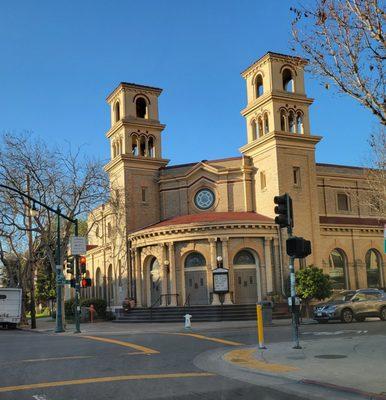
[10,307]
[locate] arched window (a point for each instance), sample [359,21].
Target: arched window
[244,257]
[283,118]
[266,124]
[260,126]
[195,259]
[288,81]
[150,147]
[373,269]
[142,146]
[337,262]
[134,145]
[299,123]
[141,107]
[259,86]
[254,130]
[110,285]
[117,111]
[108,230]
[291,122]
[343,202]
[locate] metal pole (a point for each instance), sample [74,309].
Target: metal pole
[77,286]
[30,261]
[260,329]
[295,317]
[59,314]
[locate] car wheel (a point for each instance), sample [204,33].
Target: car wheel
[360,319]
[382,314]
[347,316]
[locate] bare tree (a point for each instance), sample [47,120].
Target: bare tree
[59,178]
[344,41]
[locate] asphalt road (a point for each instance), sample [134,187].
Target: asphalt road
[45,366]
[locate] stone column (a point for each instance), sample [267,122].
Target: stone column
[138,277]
[225,258]
[164,276]
[172,275]
[211,267]
[268,263]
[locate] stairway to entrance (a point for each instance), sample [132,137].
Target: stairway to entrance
[240,312]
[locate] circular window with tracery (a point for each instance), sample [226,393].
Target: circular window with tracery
[204,199]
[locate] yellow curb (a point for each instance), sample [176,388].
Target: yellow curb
[245,358]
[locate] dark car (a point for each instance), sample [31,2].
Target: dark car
[348,305]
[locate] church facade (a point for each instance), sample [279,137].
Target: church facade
[168,227]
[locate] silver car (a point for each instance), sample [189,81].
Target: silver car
[348,305]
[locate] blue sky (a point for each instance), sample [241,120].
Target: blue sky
[60,59]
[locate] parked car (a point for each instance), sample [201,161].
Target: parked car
[348,305]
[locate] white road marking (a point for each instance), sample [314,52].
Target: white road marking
[39,397]
[334,333]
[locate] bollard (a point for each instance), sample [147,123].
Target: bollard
[260,329]
[188,324]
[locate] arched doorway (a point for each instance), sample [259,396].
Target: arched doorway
[245,266]
[338,266]
[98,283]
[373,269]
[196,287]
[155,281]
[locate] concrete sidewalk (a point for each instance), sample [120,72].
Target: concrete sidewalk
[47,325]
[352,365]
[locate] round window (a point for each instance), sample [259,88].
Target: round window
[204,199]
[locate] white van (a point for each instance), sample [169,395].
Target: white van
[10,307]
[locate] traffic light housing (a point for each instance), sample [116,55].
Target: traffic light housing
[70,265]
[85,282]
[298,247]
[82,264]
[73,282]
[284,211]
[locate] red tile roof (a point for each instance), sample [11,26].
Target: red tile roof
[209,217]
[352,221]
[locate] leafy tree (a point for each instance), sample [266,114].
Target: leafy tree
[312,283]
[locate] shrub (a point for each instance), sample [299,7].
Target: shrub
[99,305]
[69,308]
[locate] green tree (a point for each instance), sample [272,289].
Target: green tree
[312,283]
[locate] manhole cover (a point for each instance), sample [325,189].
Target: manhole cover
[330,356]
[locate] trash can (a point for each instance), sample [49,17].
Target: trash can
[267,311]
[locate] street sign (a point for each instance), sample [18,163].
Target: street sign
[220,280]
[77,245]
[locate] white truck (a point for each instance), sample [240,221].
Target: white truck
[10,307]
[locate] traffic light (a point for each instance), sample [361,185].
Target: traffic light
[85,282]
[73,282]
[82,264]
[284,211]
[70,265]
[298,247]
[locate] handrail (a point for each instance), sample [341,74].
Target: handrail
[160,302]
[187,301]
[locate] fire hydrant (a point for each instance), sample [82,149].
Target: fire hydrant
[188,324]
[92,312]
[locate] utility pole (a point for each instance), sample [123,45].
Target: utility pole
[31,269]
[59,309]
[77,286]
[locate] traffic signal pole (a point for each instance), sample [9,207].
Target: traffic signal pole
[77,287]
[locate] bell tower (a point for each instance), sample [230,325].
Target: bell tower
[136,153]
[279,141]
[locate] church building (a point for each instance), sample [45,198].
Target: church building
[168,227]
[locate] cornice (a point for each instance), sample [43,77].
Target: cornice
[135,123]
[279,138]
[139,162]
[277,96]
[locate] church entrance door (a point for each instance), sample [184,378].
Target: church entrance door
[196,287]
[155,282]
